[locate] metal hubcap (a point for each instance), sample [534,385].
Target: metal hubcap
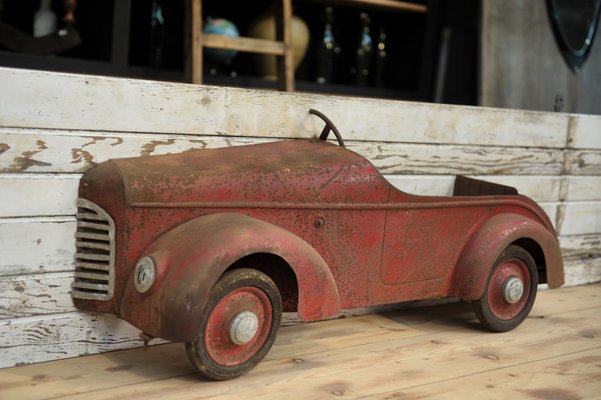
[513,289]
[243,328]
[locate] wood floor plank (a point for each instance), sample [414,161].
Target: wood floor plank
[572,376]
[372,368]
[372,355]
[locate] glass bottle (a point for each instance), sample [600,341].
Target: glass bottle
[381,58]
[158,34]
[327,49]
[44,20]
[364,52]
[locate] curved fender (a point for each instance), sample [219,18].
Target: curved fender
[487,244]
[191,258]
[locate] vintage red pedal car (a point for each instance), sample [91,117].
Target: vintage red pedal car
[209,247]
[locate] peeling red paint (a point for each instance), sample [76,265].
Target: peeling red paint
[318,211]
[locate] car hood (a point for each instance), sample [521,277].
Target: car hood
[295,171]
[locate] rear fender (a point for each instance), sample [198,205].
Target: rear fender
[490,240]
[191,258]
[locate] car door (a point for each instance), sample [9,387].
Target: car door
[423,239]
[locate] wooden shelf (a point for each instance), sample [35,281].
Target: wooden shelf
[282,47]
[247,44]
[389,5]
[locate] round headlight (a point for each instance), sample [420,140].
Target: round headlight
[144,275]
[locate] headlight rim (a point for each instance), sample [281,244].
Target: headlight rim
[144,282]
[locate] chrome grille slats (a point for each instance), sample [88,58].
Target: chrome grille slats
[95,255]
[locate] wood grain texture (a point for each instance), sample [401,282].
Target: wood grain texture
[26,195]
[41,294]
[36,245]
[584,188]
[29,150]
[247,44]
[28,340]
[581,246]
[582,271]
[586,131]
[66,101]
[585,162]
[429,352]
[581,218]
[34,194]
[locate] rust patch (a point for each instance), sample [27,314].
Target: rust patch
[552,394]
[149,148]
[117,142]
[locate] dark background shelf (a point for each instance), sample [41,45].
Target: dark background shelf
[115,42]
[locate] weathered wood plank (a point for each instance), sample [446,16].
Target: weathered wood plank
[36,339]
[29,150]
[582,272]
[366,367]
[26,195]
[570,376]
[584,188]
[581,218]
[374,367]
[36,245]
[54,194]
[585,162]
[54,151]
[40,294]
[418,337]
[581,246]
[65,101]
[586,131]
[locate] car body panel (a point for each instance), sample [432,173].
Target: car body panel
[347,233]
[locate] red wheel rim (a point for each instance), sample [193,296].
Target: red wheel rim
[218,344]
[499,306]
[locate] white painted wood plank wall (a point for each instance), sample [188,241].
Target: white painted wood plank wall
[53,127]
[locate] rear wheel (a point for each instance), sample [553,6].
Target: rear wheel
[510,291]
[239,325]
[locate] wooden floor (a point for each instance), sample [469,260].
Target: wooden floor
[433,352]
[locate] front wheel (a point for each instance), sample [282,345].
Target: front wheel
[239,325]
[510,291]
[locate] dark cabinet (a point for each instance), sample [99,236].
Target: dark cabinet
[119,38]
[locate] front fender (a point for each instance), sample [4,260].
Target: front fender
[191,258]
[490,240]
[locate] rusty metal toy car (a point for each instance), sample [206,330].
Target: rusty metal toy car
[209,247]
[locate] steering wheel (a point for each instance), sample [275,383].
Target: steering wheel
[329,127]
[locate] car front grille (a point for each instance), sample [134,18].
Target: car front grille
[95,255]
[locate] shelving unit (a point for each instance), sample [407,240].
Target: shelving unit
[281,47]
[122,39]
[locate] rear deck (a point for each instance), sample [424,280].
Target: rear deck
[432,352]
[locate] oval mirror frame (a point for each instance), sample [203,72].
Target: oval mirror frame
[575,56]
